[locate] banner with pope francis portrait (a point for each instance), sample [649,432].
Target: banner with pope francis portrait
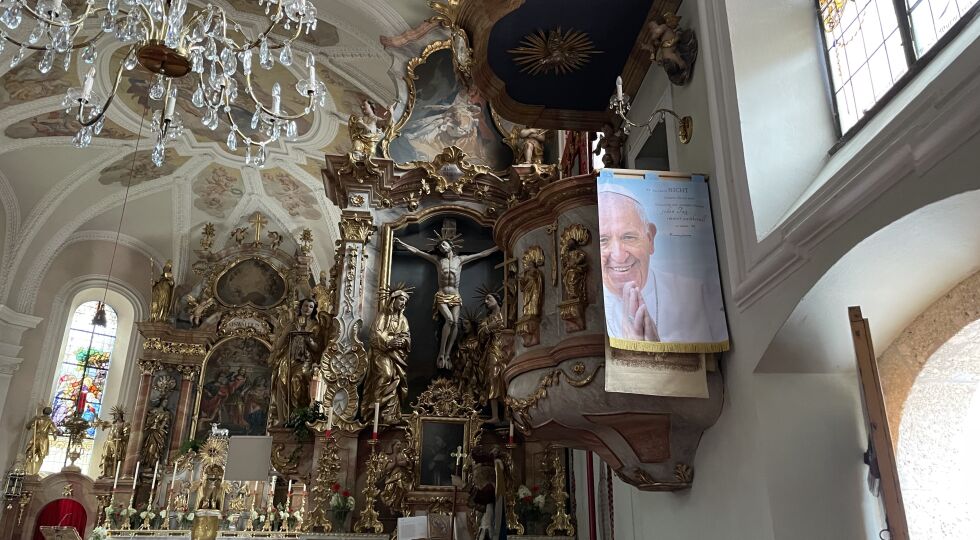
[660,280]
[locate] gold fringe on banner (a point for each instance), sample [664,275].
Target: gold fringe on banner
[667,347]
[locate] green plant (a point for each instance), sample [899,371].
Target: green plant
[298,422]
[190,445]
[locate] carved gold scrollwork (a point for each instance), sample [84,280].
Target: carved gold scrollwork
[283,463]
[327,471]
[356,228]
[449,171]
[244,322]
[149,367]
[171,347]
[520,407]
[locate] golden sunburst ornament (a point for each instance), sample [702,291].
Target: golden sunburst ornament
[556,51]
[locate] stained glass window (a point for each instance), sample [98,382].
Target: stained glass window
[81,379]
[872,44]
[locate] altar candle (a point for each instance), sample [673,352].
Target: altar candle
[115,482]
[510,437]
[173,480]
[377,411]
[136,475]
[330,420]
[153,484]
[619,88]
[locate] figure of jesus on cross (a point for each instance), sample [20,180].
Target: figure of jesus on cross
[447,302]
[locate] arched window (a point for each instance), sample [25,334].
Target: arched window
[81,379]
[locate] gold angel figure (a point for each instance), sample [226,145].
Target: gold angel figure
[365,132]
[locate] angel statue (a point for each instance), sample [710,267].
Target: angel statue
[398,476]
[447,302]
[42,429]
[385,382]
[672,47]
[162,294]
[296,347]
[365,132]
[117,438]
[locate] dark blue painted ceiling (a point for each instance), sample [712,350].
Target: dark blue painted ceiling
[613,26]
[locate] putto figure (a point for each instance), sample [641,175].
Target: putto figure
[447,302]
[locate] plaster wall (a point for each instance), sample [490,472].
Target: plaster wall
[33,380]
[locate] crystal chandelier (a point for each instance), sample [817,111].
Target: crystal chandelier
[170,44]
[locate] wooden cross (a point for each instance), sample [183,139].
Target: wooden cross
[258,222]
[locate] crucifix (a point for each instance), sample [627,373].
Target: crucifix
[258,222]
[459,455]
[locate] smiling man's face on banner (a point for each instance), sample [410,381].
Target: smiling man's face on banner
[625,242]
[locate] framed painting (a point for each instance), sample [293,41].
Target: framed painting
[251,282]
[235,388]
[440,442]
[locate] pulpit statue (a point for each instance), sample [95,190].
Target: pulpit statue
[161,294]
[494,360]
[298,344]
[385,382]
[117,438]
[447,302]
[42,430]
[156,431]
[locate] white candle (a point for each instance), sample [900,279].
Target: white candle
[115,482]
[511,430]
[87,85]
[377,411]
[153,484]
[136,475]
[289,492]
[171,102]
[619,88]
[276,98]
[312,64]
[330,419]
[173,481]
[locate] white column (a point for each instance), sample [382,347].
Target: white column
[12,327]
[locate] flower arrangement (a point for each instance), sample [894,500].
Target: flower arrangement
[530,504]
[341,504]
[99,533]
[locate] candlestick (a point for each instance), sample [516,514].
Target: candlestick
[115,483]
[377,411]
[87,85]
[619,88]
[153,483]
[510,436]
[136,475]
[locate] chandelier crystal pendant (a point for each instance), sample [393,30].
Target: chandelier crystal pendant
[171,45]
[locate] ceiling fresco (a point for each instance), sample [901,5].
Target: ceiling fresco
[25,83]
[295,198]
[217,190]
[142,168]
[57,124]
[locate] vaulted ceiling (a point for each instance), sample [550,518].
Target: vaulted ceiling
[54,194]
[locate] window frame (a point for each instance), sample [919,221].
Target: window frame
[915,65]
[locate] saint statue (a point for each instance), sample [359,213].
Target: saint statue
[487,492]
[161,294]
[468,359]
[532,283]
[117,438]
[385,382]
[365,132]
[156,431]
[297,346]
[529,146]
[447,302]
[325,295]
[574,262]
[398,477]
[42,430]
[494,360]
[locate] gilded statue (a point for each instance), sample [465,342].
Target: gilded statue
[162,294]
[156,431]
[325,294]
[494,360]
[531,283]
[527,144]
[385,382]
[365,132]
[611,143]
[468,359]
[447,302]
[574,262]
[116,441]
[296,347]
[673,48]
[212,494]
[42,430]
[398,477]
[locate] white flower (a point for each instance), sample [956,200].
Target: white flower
[298,515]
[523,491]
[108,511]
[180,516]
[98,533]
[283,514]
[254,514]
[539,501]
[350,502]
[143,514]
[190,516]
[261,519]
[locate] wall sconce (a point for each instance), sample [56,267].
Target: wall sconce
[13,488]
[620,104]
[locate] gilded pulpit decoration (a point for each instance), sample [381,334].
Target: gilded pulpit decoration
[450,170]
[162,294]
[42,430]
[447,302]
[116,441]
[574,277]
[297,347]
[531,283]
[671,47]
[557,52]
[386,382]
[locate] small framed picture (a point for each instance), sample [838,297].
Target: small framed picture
[442,440]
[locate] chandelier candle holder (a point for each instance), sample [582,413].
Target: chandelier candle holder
[620,104]
[170,44]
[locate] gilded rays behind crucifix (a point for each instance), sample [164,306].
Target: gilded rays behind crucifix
[556,51]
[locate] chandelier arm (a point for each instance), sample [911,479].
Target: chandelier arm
[41,18]
[269,112]
[74,46]
[205,92]
[111,96]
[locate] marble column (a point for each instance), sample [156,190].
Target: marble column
[182,418]
[139,417]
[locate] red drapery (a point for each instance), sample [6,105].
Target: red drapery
[64,512]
